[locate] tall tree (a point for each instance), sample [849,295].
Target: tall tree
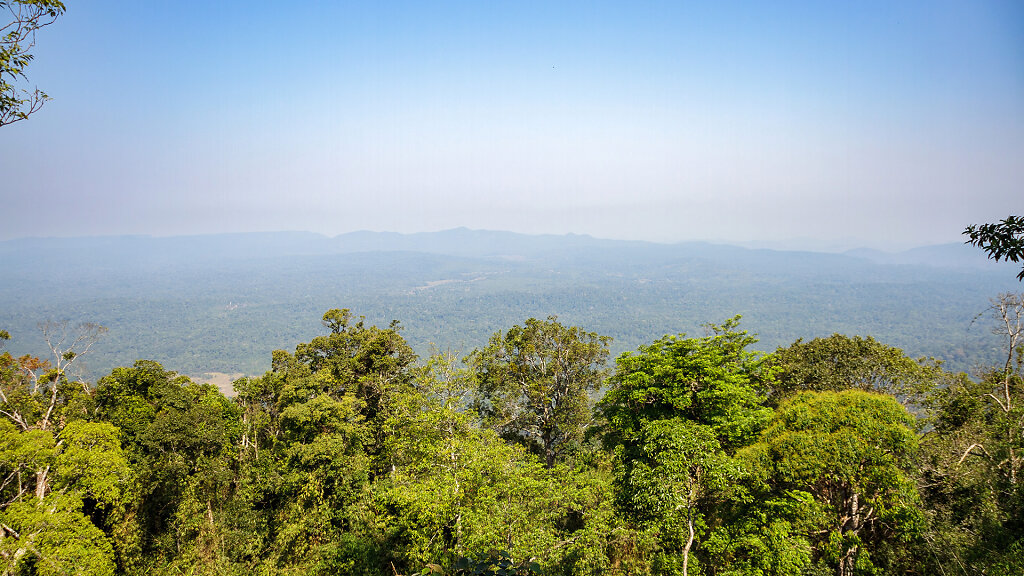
[713,380]
[851,451]
[368,362]
[535,383]
[18,38]
[62,479]
[179,438]
[58,525]
[676,413]
[34,392]
[972,465]
[1003,240]
[317,431]
[458,489]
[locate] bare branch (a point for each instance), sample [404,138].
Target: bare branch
[68,344]
[968,451]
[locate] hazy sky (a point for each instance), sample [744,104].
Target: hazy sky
[879,123]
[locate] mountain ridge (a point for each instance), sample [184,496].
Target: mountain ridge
[460,241]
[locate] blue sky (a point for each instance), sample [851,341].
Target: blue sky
[888,124]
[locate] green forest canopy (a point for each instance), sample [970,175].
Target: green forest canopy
[351,455]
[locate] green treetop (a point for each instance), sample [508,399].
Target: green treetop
[535,383]
[676,412]
[851,452]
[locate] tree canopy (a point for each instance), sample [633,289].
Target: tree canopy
[535,383]
[852,452]
[676,412]
[840,362]
[352,456]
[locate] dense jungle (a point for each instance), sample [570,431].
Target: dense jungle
[533,454]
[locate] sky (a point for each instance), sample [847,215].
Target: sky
[822,125]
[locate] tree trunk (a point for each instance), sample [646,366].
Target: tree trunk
[847,562]
[548,441]
[852,526]
[42,482]
[689,543]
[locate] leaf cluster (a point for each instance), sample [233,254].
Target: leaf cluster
[16,39]
[1003,240]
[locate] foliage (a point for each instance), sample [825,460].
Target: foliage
[535,383]
[179,439]
[841,362]
[354,369]
[18,38]
[713,380]
[971,465]
[493,563]
[675,414]
[64,486]
[313,435]
[64,479]
[349,457]
[851,452]
[457,488]
[1003,240]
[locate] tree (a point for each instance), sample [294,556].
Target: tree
[367,362]
[62,479]
[30,388]
[458,489]
[677,465]
[34,393]
[179,438]
[840,362]
[316,432]
[973,458]
[1003,240]
[851,451]
[18,38]
[676,413]
[535,383]
[711,380]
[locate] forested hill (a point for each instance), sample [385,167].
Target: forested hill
[222,303]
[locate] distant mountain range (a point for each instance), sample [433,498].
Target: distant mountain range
[221,303]
[455,242]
